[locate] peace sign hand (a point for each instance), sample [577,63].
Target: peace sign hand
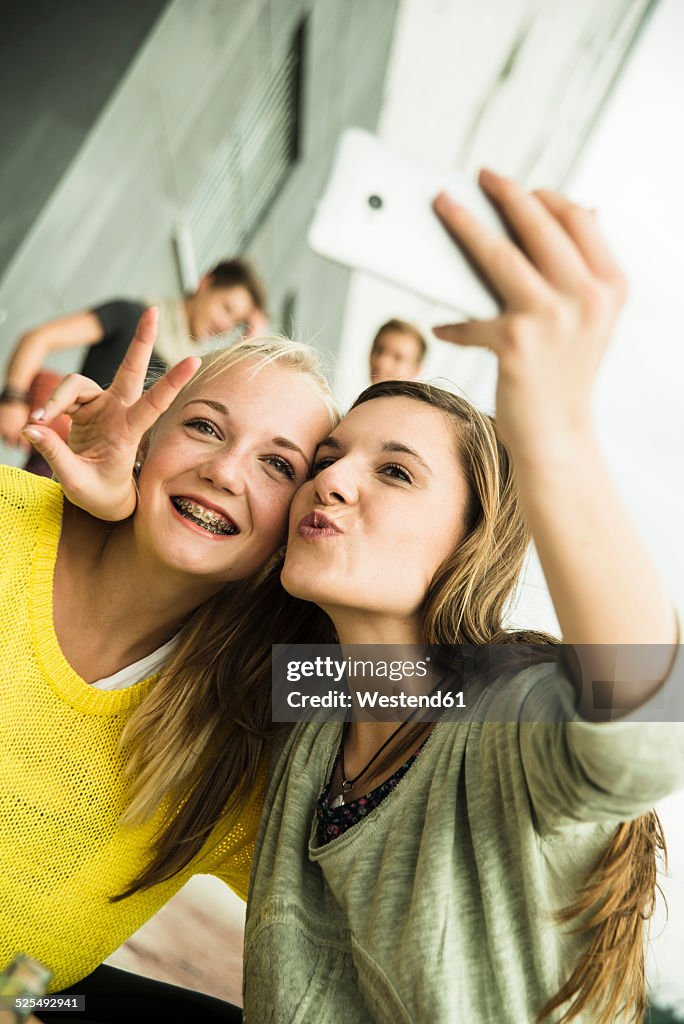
[95,469]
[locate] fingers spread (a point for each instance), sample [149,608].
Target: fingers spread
[503,264]
[538,232]
[582,227]
[159,397]
[130,377]
[477,333]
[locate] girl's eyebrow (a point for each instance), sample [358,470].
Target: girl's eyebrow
[387,446]
[403,449]
[218,406]
[329,442]
[284,442]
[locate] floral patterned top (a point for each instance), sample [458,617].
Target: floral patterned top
[333,821]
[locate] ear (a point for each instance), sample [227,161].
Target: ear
[204,284]
[143,447]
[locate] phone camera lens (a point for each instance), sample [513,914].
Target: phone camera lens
[375,202]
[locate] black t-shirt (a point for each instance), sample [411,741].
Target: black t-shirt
[119,320]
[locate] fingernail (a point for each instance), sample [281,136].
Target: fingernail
[488,176]
[37,414]
[445,202]
[32,435]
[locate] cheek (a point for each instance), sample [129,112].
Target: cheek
[270,517]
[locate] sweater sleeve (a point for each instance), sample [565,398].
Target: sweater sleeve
[26,501]
[578,771]
[231,856]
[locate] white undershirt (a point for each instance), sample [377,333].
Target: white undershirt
[142,669]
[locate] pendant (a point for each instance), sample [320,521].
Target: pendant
[347,785]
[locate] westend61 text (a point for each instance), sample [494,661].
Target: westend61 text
[374,699]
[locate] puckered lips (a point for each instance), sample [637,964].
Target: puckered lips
[205,515]
[316,525]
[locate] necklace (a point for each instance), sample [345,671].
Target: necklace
[348,784]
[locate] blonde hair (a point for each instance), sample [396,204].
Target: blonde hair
[197,740]
[466,604]
[261,352]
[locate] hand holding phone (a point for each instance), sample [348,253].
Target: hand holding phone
[562,291]
[376,216]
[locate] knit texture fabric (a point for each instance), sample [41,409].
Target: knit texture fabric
[438,907]
[63,851]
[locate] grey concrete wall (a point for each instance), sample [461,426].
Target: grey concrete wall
[107,227]
[59,64]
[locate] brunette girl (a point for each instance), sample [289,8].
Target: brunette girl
[496,866]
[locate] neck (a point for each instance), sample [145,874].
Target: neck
[132,601]
[360,626]
[161,593]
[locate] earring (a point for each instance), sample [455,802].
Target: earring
[137,466]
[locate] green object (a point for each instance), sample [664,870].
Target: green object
[439,905]
[25,978]
[658,1015]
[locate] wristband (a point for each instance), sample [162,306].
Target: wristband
[11,394]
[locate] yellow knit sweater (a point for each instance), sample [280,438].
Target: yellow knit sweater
[62,849]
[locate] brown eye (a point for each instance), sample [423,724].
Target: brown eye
[320,465]
[397,472]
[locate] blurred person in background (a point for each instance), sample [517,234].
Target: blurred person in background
[227,297]
[397,352]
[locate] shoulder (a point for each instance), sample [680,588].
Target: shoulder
[28,504]
[23,493]
[303,742]
[119,314]
[514,683]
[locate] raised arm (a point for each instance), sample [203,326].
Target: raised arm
[96,468]
[28,357]
[561,292]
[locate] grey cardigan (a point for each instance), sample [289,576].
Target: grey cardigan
[439,906]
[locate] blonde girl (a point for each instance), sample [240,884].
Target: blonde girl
[110,691]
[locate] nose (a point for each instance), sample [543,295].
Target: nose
[225,470]
[336,485]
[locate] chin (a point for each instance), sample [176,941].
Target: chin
[299,584]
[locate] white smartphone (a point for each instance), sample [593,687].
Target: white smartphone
[376,216]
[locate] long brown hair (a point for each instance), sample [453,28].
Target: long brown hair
[466,604]
[224,667]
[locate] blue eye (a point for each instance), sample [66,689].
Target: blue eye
[202,426]
[396,472]
[281,465]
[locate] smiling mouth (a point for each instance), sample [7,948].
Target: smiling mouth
[212,522]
